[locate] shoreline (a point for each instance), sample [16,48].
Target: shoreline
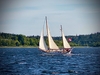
[18,47]
[37,47]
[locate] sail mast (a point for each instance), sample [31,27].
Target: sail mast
[46,24]
[62,37]
[61,29]
[47,30]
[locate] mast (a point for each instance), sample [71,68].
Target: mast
[61,29]
[46,24]
[62,37]
[47,30]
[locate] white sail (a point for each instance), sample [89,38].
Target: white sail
[52,44]
[65,42]
[42,44]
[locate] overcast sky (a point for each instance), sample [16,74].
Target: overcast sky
[28,16]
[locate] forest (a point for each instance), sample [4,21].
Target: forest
[13,40]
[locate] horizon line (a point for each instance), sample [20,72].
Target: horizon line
[45,35]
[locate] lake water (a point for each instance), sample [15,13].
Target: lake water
[31,61]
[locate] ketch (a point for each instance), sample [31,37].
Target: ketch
[52,47]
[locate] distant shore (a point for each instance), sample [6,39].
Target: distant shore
[37,47]
[18,47]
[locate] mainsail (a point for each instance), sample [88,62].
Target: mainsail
[52,44]
[42,44]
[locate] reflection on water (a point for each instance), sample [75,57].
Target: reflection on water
[31,61]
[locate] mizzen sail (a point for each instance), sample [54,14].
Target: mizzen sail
[65,42]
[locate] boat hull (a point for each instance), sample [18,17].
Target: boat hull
[58,51]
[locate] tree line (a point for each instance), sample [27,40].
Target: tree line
[7,39]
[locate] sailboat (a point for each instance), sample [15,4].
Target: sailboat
[52,47]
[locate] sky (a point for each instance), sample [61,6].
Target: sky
[27,17]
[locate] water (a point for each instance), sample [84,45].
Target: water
[31,61]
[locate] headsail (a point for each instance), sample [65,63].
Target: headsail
[65,42]
[42,44]
[52,44]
